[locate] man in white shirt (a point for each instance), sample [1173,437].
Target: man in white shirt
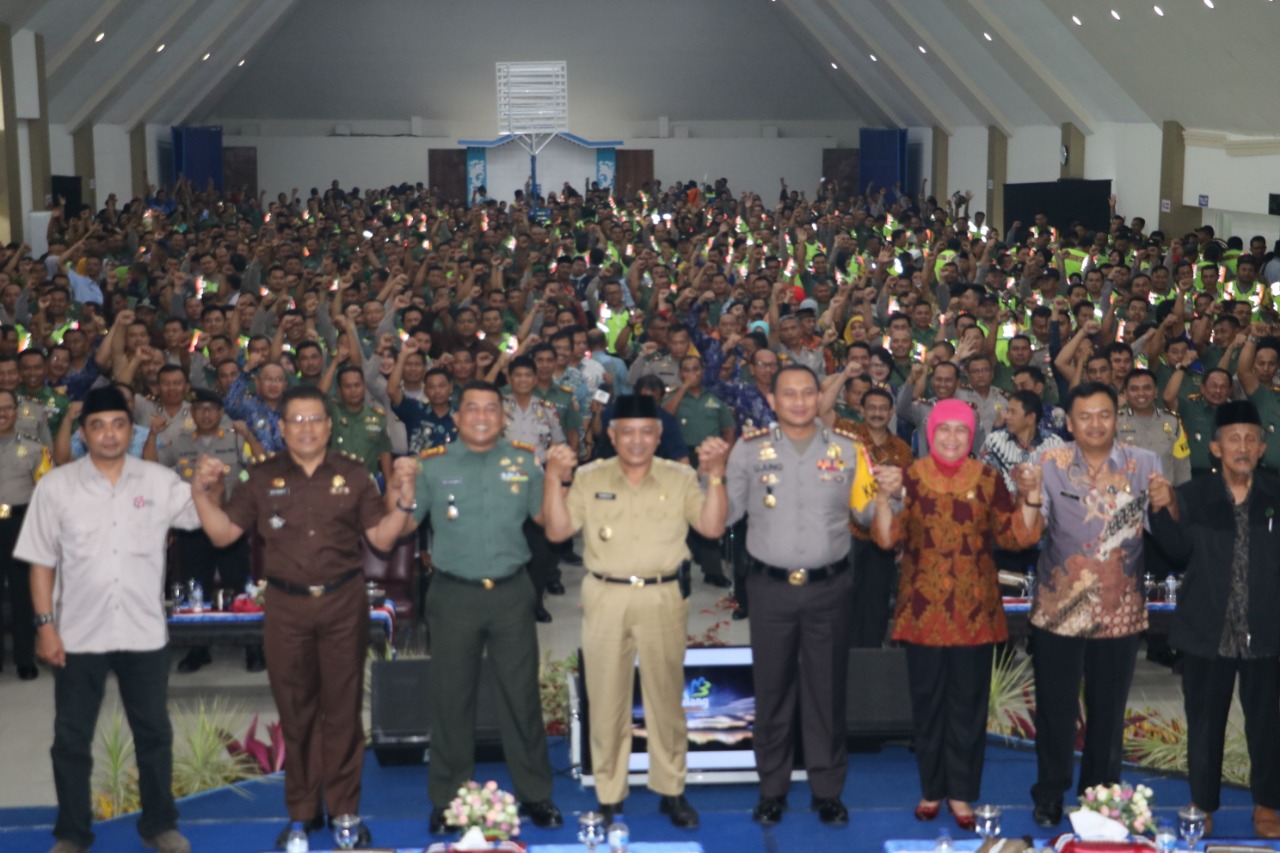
[94,535]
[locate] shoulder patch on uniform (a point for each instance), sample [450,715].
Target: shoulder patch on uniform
[378,409]
[434,451]
[524,445]
[843,431]
[591,466]
[753,434]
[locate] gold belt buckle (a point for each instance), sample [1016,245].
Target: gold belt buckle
[5,511]
[798,577]
[487,583]
[637,581]
[315,591]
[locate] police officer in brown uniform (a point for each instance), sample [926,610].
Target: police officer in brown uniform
[311,506]
[636,512]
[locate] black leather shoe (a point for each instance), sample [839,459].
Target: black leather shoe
[195,659]
[769,810]
[1047,814]
[718,580]
[683,815]
[437,825]
[314,825]
[740,614]
[254,659]
[544,815]
[28,673]
[541,614]
[555,588]
[609,810]
[831,811]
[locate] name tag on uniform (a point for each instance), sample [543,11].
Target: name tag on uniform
[276,493]
[457,481]
[1069,495]
[606,496]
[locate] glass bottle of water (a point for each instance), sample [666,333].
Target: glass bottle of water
[197,597]
[618,836]
[297,841]
[944,843]
[1171,589]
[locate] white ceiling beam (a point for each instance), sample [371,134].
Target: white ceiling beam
[244,47]
[191,59]
[91,25]
[808,16]
[936,115]
[1079,115]
[994,115]
[146,48]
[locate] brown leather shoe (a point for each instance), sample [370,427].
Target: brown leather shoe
[1266,823]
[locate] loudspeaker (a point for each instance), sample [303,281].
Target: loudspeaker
[878,700]
[401,721]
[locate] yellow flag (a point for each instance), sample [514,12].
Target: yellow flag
[1181,449]
[46,463]
[864,484]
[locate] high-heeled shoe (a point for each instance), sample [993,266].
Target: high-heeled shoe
[927,811]
[967,822]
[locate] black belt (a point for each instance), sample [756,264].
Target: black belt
[316,590]
[800,577]
[487,583]
[634,580]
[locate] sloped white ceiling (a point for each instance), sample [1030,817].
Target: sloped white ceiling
[1007,63]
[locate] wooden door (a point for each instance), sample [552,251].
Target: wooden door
[447,169]
[240,171]
[635,169]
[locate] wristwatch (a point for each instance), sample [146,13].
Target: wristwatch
[413,507]
[42,619]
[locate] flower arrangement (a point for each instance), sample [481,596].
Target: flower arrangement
[486,807]
[1123,803]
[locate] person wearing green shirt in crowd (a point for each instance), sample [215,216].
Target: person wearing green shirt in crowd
[359,427]
[479,491]
[702,415]
[1256,371]
[33,368]
[1197,411]
[560,396]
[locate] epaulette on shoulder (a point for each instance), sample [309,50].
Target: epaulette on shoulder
[568,389]
[1195,396]
[378,410]
[546,404]
[349,455]
[675,466]
[434,451]
[845,432]
[266,457]
[591,466]
[524,445]
[753,434]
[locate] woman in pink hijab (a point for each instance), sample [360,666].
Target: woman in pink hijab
[955,511]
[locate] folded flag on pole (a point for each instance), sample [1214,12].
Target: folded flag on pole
[864,482]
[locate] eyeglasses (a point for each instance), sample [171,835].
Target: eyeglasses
[299,420]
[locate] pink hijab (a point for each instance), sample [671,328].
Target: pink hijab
[950,410]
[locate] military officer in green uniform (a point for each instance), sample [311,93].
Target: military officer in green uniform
[479,491]
[1197,412]
[23,461]
[1261,389]
[359,427]
[702,415]
[635,511]
[1142,423]
[35,389]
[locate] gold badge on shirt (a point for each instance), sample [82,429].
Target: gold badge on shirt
[339,485]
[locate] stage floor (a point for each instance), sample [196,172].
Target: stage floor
[881,792]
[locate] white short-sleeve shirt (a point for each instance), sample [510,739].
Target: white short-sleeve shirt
[107,546]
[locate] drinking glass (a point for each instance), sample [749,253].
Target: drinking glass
[591,830]
[346,829]
[987,821]
[1191,822]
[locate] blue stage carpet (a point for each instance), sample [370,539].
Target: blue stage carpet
[881,792]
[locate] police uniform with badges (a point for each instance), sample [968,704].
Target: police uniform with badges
[33,422]
[198,559]
[796,498]
[362,434]
[634,547]
[54,404]
[481,599]
[23,461]
[1162,434]
[661,364]
[1197,415]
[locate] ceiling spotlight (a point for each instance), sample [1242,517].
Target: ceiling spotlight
[1075,20]
[873,58]
[205,58]
[99,37]
[1209,3]
[240,63]
[1115,14]
[987,36]
[833,65]
[160,49]
[1159,11]
[922,50]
